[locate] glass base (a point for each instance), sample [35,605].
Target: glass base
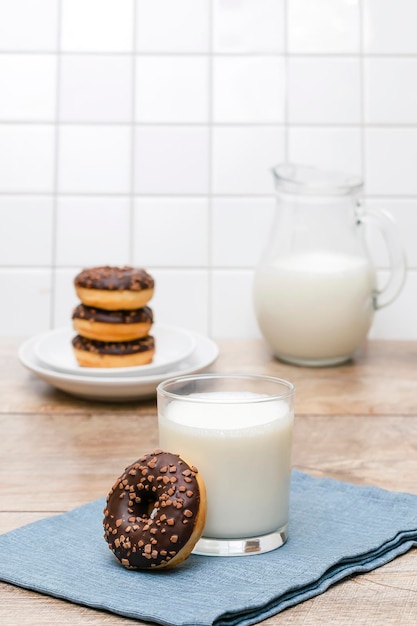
[208,546]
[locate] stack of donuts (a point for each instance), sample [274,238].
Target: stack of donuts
[113,320]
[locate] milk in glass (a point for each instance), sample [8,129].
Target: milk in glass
[242,450]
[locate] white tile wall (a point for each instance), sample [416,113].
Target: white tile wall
[26,238]
[249,26]
[232,300]
[172,89]
[323,26]
[391,157]
[143,131]
[244,221]
[93,159]
[30,25]
[242,157]
[27,158]
[95,88]
[390,92]
[97,25]
[310,101]
[389,26]
[166,26]
[27,87]
[334,148]
[171,160]
[248,89]
[92,231]
[181,299]
[186,217]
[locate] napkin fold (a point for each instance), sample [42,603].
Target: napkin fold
[336,529]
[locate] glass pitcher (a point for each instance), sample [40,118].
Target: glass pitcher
[315,288]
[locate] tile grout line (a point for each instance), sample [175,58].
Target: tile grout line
[224,195]
[131,236]
[362,91]
[55,190]
[210,104]
[187,268]
[185,53]
[248,124]
[286,87]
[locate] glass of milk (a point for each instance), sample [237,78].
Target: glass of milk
[237,431]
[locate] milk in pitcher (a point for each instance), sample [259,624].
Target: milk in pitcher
[315,306]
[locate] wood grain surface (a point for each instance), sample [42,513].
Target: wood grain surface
[356,422]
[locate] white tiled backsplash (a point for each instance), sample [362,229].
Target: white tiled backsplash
[143,132]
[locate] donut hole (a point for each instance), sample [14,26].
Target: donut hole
[152,510]
[148,507]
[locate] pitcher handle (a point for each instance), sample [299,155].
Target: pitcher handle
[387,226]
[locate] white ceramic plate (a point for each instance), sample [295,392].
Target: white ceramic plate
[173,345]
[118,388]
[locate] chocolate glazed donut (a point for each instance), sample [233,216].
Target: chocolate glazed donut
[104,325]
[92,353]
[114,288]
[155,512]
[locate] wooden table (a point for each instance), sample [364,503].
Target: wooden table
[356,422]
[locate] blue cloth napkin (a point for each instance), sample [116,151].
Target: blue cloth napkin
[336,529]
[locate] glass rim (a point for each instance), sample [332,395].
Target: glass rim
[161,390]
[307,179]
